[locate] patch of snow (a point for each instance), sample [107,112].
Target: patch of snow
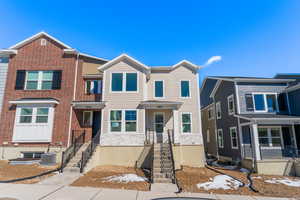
[125,178]
[285,181]
[220,182]
[256,177]
[244,170]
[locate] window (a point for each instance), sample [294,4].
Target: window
[158,89]
[211,113]
[218,110]
[36,155]
[117,82]
[39,80]
[230,102]
[249,102]
[87,118]
[116,120]
[43,42]
[220,138]
[207,136]
[185,88]
[269,137]
[265,102]
[234,139]
[131,82]
[4,59]
[42,115]
[124,82]
[130,120]
[93,86]
[186,122]
[26,115]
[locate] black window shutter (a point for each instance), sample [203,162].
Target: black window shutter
[249,102]
[56,84]
[20,80]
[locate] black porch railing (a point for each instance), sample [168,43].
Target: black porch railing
[76,143]
[278,152]
[88,152]
[171,142]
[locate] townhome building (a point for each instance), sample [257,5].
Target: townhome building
[250,121]
[57,99]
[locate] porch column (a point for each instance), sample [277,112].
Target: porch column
[176,126]
[295,139]
[256,142]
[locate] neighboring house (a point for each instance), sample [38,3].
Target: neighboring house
[253,122]
[39,90]
[4,58]
[55,94]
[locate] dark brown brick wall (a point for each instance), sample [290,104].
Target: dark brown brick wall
[33,56]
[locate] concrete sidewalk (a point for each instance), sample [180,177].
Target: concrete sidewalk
[61,192]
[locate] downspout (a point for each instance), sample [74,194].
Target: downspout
[74,97]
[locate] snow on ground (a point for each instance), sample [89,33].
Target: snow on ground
[220,182]
[285,181]
[256,177]
[125,178]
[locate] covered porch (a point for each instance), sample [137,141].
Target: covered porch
[270,138]
[161,120]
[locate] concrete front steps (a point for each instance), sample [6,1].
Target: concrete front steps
[74,163]
[162,164]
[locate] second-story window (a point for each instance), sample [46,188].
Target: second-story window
[218,110]
[265,102]
[230,103]
[211,113]
[158,89]
[93,86]
[185,89]
[39,80]
[124,82]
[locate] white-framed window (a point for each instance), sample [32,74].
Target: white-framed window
[93,86]
[210,113]
[130,120]
[186,122]
[234,138]
[207,136]
[265,102]
[43,42]
[39,80]
[220,138]
[123,121]
[230,102]
[270,137]
[185,89]
[87,118]
[218,110]
[33,115]
[159,89]
[124,82]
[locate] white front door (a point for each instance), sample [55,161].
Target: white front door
[159,124]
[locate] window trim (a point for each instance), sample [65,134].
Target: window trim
[191,118]
[123,122]
[265,102]
[136,120]
[39,79]
[33,115]
[270,137]
[180,94]
[218,105]
[124,82]
[100,85]
[207,136]
[236,137]
[211,108]
[91,114]
[230,97]
[219,144]
[163,88]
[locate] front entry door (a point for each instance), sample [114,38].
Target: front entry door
[96,122]
[159,123]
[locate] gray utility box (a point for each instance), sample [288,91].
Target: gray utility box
[48,159]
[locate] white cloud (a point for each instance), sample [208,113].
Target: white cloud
[213,59]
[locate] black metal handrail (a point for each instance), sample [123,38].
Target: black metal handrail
[88,152]
[171,141]
[70,152]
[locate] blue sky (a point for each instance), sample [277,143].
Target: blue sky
[254,38]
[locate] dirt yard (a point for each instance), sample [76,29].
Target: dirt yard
[188,179]
[97,178]
[8,172]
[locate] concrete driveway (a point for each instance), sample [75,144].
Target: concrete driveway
[47,192]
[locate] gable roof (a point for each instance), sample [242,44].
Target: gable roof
[250,79]
[42,33]
[124,57]
[186,63]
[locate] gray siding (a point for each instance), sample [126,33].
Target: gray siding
[294,99]
[250,88]
[208,86]
[226,89]
[3,74]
